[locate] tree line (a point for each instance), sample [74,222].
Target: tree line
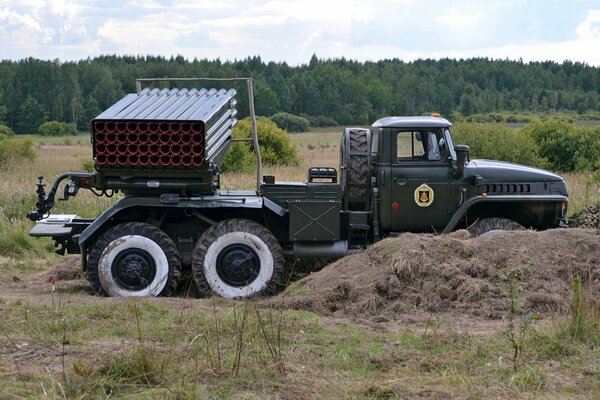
[33,91]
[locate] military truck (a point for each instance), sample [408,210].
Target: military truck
[162,149]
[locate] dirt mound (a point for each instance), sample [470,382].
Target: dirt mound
[589,217]
[454,273]
[68,269]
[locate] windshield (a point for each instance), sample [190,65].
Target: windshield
[450,143]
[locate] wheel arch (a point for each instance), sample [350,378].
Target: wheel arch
[540,212]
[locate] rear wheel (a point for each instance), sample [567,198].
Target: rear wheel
[487,225]
[134,259]
[237,259]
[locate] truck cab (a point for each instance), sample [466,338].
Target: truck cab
[426,183]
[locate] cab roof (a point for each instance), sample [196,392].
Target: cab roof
[412,122]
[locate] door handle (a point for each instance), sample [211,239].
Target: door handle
[382,178]
[400,180]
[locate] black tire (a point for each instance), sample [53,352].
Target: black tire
[134,259]
[486,225]
[355,168]
[237,259]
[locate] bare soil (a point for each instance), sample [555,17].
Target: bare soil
[406,278]
[472,277]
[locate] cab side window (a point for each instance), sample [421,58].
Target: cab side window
[409,147]
[424,145]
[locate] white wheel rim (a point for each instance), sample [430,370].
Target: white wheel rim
[257,285]
[129,242]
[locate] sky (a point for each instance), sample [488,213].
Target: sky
[294,30]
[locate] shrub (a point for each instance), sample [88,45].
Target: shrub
[16,150]
[498,142]
[5,132]
[566,146]
[275,146]
[324,121]
[290,122]
[55,128]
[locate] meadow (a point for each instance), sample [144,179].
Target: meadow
[69,344]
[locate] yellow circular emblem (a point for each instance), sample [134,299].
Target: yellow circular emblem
[424,196]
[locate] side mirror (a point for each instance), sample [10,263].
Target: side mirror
[462,155]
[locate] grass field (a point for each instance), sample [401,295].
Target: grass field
[69,344]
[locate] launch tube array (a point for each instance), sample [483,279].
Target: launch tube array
[149,144]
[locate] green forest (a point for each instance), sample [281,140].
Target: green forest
[325,91]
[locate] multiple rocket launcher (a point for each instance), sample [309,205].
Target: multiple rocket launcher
[174,130]
[148,144]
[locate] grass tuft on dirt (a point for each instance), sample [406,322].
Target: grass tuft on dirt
[454,273]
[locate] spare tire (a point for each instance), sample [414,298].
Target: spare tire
[355,168]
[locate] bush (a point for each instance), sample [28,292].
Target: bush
[15,150]
[55,128]
[275,146]
[498,142]
[324,121]
[290,122]
[566,146]
[5,132]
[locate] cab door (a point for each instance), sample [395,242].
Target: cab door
[420,181]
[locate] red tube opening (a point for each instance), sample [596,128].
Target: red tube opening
[111,148]
[143,148]
[165,138]
[132,137]
[186,161]
[110,127]
[111,160]
[142,127]
[197,127]
[132,160]
[154,160]
[132,148]
[100,159]
[186,149]
[198,150]
[154,149]
[175,149]
[99,126]
[122,159]
[121,127]
[186,127]
[100,138]
[122,148]
[165,149]
[186,138]
[197,161]
[132,126]
[154,138]
[111,138]
[197,138]
[165,160]
[100,148]
[153,127]
[143,160]
[142,138]
[175,127]
[176,161]
[175,138]
[163,127]
[122,137]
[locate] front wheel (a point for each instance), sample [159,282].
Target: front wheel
[487,225]
[134,259]
[237,259]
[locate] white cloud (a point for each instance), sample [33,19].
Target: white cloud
[590,28]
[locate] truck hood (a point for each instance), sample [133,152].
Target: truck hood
[501,171]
